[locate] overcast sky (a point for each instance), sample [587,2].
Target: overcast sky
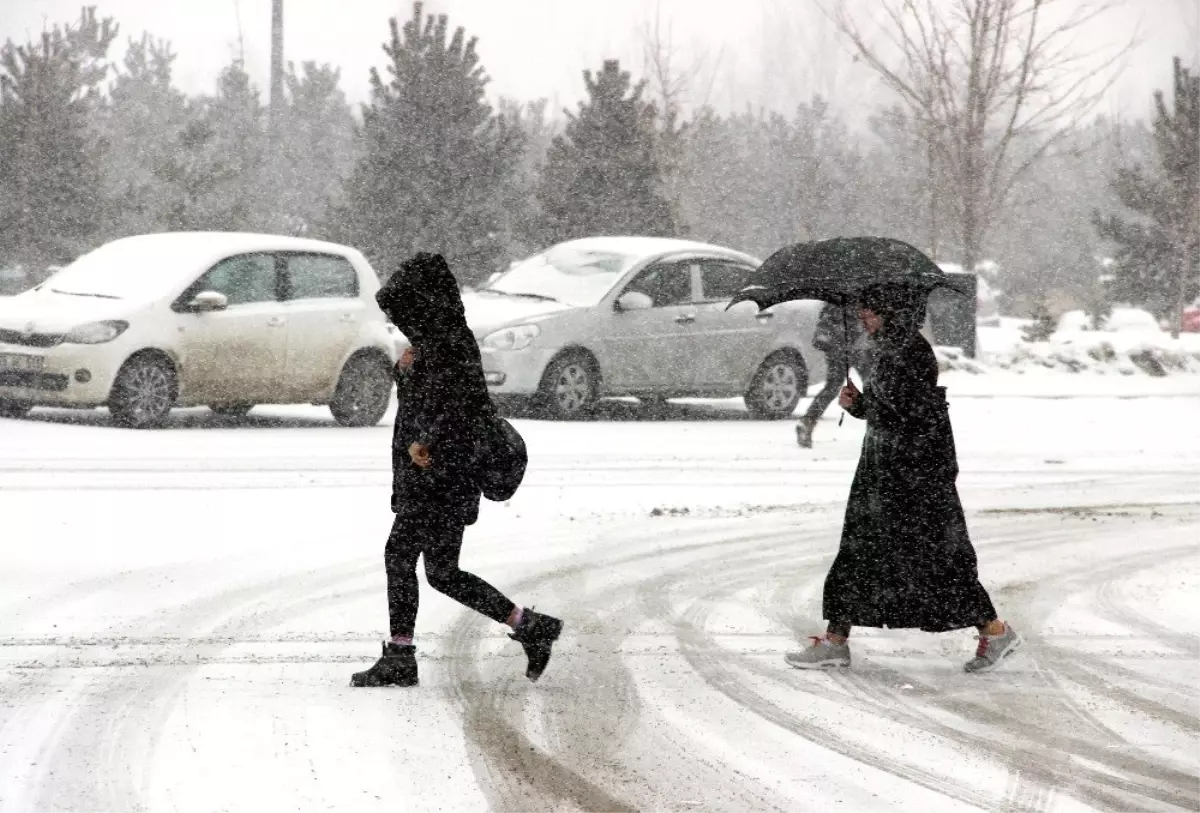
[772,52]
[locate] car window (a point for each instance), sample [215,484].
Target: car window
[720,280]
[666,284]
[243,279]
[321,276]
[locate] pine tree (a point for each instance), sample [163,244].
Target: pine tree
[51,206]
[1158,259]
[214,167]
[436,158]
[144,115]
[759,181]
[1043,325]
[602,174]
[523,237]
[315,154]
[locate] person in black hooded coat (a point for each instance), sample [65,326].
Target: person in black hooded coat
[442,400]
[905,558]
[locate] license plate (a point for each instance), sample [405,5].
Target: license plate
[21,362]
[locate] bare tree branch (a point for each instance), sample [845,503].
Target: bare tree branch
[994,86]
[671,82]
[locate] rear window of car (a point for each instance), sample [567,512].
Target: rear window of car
[321,276]
[721,280]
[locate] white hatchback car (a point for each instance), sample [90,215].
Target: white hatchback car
[644,317]
[226,320]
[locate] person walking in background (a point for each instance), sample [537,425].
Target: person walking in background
[840,337]
[442,399]
[905,558]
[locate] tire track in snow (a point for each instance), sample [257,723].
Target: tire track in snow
[1045,782]
[713,666]
[522,775]
[1033,722]
[121,716]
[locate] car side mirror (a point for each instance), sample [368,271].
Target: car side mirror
[206,301]
[634,301]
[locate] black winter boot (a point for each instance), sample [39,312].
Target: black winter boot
[397,667]
[537,633]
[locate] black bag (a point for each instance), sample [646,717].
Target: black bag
[502,458]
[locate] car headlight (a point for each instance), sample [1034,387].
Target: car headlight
[95,332]
[512,338]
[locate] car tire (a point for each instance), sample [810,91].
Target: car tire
[777,387]
[231,410]
[363,392]
[143,393]
[12,409]
[570,386]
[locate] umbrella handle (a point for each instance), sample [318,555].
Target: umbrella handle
[846,350]
[846,342]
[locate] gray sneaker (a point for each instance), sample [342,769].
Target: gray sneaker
[822,654]
[993,649]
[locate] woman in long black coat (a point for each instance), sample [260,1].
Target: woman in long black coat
[905,559]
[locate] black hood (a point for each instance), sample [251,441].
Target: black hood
[422,299]
[902,308]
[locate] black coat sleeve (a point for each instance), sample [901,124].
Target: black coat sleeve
[454,397]
[902,391]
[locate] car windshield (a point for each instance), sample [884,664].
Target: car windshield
[130,269]
[568,274]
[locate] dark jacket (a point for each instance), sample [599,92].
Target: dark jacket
[835,331]
[443,396]
[839,334]
[905,558]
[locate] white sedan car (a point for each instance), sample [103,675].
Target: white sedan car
[226,320]
[644,317]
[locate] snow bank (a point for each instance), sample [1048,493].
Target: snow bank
[1119,353]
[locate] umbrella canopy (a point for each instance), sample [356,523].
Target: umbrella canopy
[838,270]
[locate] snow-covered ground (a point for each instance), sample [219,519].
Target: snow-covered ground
[180,612]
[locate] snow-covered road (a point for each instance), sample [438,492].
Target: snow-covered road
[180,612]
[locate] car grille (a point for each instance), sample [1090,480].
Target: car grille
[33,381]
[31,339]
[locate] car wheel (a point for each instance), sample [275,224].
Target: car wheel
[570,386]
[143,394]
[12,409]
[231,410]
[777,388]
[363,391]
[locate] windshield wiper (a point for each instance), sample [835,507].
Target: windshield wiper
[523,295]
[76,293]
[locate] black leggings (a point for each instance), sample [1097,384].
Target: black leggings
[440,540]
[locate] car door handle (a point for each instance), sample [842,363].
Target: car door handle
[276,321]
[685,319]
[767,315]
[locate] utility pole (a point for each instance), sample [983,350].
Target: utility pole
[276,71]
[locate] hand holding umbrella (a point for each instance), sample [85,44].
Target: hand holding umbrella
[849,396]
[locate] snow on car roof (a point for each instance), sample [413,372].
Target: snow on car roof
[219,243]
[149,265]
[650,246]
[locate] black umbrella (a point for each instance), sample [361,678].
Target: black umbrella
[838,270]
